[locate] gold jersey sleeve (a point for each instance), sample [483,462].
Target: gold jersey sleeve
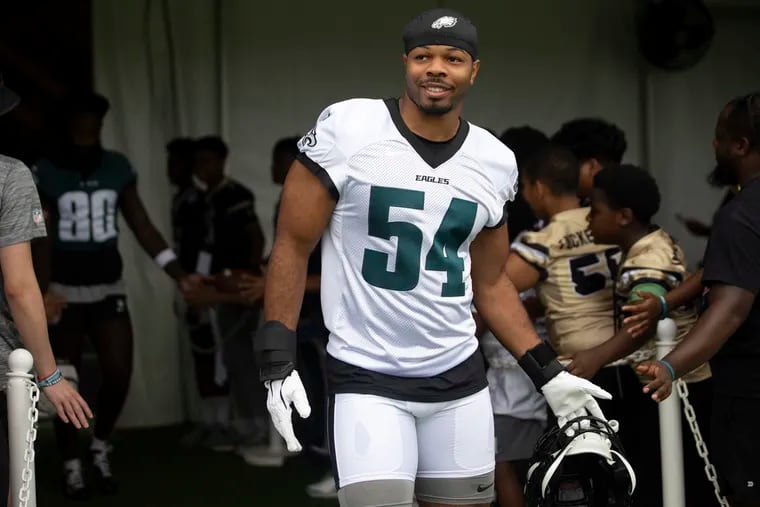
[576,280]
[656,259]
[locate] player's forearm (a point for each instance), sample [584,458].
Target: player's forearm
[285,283]
[28,311]
[504,314]
[688,291]
[620,345]
[153,243]
[714,327]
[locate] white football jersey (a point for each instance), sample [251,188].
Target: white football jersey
[396,288]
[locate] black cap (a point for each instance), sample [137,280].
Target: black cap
[442,26]
[8,98]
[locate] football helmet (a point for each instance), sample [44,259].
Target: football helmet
[581,464]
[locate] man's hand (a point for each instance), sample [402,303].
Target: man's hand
[646,313]
[570,397]
[280,395]
[584,364]
[68,403]
[192,281]
[662,384]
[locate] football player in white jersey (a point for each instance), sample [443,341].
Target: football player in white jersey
[408,201]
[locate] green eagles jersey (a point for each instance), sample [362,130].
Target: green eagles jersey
[83,208]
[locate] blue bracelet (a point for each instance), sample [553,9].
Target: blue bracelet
[664,314]
[53,379]
[670,369]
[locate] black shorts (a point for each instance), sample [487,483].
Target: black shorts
[78,317]
[736,445]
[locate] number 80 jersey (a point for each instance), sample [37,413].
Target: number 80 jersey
[396,287]
[83,217]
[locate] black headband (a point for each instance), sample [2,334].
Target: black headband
[442,27]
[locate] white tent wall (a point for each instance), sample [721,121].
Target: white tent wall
[254,72]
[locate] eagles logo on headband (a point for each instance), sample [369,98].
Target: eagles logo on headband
[444,27]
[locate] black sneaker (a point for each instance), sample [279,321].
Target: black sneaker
[104,478]
[74,486]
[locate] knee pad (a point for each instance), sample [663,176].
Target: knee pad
[456,491]
[379,493]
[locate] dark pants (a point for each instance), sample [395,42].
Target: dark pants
[736,447]
[237,325]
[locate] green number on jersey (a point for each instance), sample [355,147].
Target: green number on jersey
[374,266]
[455,227]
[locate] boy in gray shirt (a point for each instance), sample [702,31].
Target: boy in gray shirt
[22,314]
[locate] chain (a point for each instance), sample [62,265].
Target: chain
[691,417]
[31,435]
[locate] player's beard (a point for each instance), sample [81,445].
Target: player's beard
[723,175]
[434,108]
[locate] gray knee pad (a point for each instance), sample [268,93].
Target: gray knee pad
[460,491]
[381,493]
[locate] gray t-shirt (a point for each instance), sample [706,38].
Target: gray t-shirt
[21,220]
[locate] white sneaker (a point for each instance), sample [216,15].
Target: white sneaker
[323,489]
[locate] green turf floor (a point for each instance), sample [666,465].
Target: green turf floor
[154,471]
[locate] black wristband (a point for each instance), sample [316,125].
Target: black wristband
[275,349]
[541,364]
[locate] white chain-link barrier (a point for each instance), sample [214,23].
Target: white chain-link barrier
[22,394]
[31,436]
[691,417]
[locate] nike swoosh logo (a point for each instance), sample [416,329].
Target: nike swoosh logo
[482,488]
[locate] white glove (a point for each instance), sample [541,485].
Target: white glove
[280,394]
[570,397]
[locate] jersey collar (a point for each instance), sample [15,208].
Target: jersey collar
[434,154]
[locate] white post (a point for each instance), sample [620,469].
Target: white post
[20,362]
[671,442]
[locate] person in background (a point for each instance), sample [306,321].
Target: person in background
[596,143]
[82,187]
[187,216]
[232,245]
[525,142]
[623,202]
[728,332]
